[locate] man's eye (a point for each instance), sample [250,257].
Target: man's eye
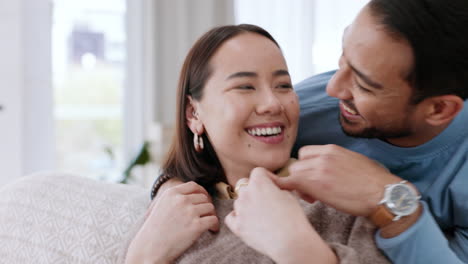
[362,88]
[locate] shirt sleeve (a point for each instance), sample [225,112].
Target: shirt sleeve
[459,243]
[423,242]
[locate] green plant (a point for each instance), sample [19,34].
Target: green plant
[142,158]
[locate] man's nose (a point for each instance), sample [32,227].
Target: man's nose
[339,85]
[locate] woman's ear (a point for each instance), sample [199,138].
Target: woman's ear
[443,109]
[191,115]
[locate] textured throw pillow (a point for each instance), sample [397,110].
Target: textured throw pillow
[60,218]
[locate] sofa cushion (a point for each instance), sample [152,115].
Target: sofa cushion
[61,218]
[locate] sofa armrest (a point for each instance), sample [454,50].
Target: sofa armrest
[62,218]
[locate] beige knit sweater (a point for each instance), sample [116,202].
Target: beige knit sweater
[352,239]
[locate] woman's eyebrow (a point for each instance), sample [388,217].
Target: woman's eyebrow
[254,74]
[280,73]
[242,74]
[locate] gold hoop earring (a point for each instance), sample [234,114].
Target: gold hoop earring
[198,142]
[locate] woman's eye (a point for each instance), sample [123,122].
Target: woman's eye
[246,87]
[285,86]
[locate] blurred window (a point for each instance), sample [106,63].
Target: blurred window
[89,53]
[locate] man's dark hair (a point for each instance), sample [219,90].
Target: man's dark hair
[437,31]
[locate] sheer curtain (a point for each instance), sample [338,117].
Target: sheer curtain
[308,31]
[331,18]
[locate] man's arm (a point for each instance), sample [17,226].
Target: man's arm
[352,183]
[459,243]
[423,242]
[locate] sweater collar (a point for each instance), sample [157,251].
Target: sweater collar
[227,192]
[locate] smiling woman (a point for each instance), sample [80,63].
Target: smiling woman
[252,91]
[235,101]
[236,110]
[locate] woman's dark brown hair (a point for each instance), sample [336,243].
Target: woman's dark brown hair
[182,161]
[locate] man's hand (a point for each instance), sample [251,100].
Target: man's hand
[346,180]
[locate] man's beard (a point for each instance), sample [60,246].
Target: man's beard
[374,132]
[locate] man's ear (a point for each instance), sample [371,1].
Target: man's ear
[443,109]
[191,116]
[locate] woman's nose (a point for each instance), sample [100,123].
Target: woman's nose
[269,103]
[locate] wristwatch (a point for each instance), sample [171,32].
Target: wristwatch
[400,199]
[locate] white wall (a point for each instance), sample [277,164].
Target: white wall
[10,90]
[38,120]
[26,126]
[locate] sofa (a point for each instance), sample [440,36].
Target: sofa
[51,217]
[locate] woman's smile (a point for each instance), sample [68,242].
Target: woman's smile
[270,133]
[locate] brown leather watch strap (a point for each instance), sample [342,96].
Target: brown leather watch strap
[397,227]
[381,217]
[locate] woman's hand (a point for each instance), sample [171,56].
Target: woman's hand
[174,221]
[272,222]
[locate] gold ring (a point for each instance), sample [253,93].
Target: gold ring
[241,183]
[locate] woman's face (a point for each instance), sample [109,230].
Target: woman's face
[249,109]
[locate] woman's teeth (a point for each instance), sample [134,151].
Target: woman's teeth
[265,131]
[349,110]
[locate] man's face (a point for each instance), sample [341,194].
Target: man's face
[371,83]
